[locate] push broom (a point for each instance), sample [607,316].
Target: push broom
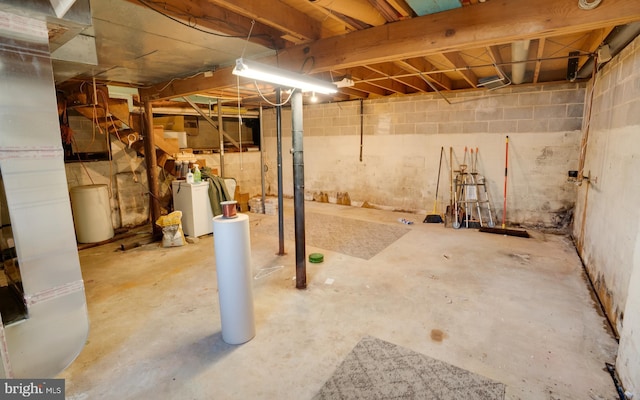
[435,218]
[503,230]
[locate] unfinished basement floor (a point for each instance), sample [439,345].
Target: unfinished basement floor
[518,311]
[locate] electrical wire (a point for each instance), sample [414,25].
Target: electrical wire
[267,100]
[176,79]
[194,18]
[253,23]
[586,5]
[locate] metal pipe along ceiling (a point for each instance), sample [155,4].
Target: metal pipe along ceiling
[617,40]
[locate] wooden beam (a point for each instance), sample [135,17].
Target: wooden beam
[494,53]
[276,14]
[211,122]
[492,23]
[206,15]
[458,62]
[369,88]
[152,171]
[539,54]
[386,10]
[401,7]
[184,87]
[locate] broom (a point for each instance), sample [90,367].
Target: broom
[504,230]
[435,218]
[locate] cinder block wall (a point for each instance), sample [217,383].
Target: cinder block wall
[607,223]
[403,136]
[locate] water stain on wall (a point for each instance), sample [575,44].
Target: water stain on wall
[545,155]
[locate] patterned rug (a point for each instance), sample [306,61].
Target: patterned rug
[376,369]
[348,236]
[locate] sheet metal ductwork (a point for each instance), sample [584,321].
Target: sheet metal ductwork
[519,52]
[41,229]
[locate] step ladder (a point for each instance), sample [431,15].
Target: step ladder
[472,207]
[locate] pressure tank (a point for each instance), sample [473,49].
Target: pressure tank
[91,213]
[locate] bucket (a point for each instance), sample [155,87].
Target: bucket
[91,213]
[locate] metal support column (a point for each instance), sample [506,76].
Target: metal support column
[298,188]
[279,161]
[262,166]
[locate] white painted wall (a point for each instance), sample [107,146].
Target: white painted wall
[606,227]
[402,142]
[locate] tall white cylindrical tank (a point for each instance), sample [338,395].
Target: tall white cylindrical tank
[91,213]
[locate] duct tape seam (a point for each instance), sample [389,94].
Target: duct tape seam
[54,292]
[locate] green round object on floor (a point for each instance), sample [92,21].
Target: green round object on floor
[316,257]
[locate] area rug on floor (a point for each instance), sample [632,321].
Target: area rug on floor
[376,369]
[348,236]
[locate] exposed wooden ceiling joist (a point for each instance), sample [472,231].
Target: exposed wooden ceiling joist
[406,43]
[206,15]
[277,15]
[539,53]
[458,62]
[493,23]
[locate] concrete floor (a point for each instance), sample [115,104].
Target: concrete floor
[515,310]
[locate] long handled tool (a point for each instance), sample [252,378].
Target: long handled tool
[450,209]
[504,230]
[436,218]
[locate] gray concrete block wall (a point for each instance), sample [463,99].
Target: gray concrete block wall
[607,225]
[550,108]
[397,129]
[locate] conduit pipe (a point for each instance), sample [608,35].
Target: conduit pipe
[362,10]
[519,52]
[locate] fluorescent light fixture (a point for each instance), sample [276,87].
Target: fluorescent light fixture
[267,73]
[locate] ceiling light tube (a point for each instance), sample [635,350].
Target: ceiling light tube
[277,76]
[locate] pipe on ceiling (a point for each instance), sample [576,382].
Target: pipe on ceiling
[519,52]
[362,10]
[617,40]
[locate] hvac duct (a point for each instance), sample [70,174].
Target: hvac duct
[41,223]
[519,52]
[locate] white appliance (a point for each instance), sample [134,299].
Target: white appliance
[193,200]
